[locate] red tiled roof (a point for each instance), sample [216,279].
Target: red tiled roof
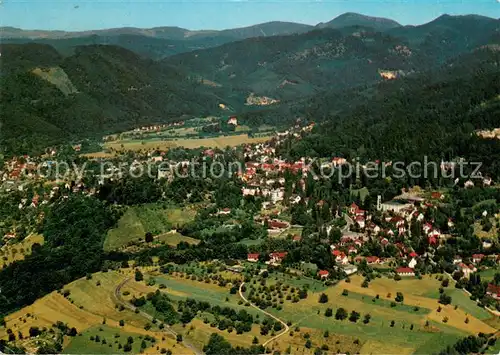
[493,289]
[253,256]
[323,273]
[404,270]
[279,255]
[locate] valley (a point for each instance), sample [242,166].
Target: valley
[279,188]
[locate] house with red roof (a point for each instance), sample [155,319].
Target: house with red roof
[477,258]
[233,120]
[372,260]
[427,227]
[493,291]
[405,271]
[224,211]
[354,207]
[340,257]
[437,195]
[432,240]
[297,238]
[360,220]
[338,161]
[467,270]
[277,257]
[278,224]
[323,274]
[253,257]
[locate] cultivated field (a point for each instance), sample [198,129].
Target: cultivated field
[191,143]
[90,304]
[13,252]
[418,326]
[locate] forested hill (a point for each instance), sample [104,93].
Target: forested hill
[433,114]
[353,19]
[48,99]
[290,67]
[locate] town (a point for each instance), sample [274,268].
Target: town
[273,216]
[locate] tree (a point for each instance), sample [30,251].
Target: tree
[217,345]
[148,237]
[367,318]
[399,297]
[328,312]
[308,344]
[138,276]
[255,341]
[345,292]
[444,299]
[179,338]
[34,331]
[341,314]
[121,322]
[323,298]
[354,316]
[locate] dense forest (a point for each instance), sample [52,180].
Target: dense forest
[99,89]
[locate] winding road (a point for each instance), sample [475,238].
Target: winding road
[167,329]
[287,328]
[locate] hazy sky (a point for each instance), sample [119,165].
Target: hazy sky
[209,14]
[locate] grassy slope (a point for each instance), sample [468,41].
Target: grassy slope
[83,345]
[153,218]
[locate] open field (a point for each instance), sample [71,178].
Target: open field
[489,274]
[98,155]
[90,304]
[192,143]
[460,298]
[154,218]
[112,337]
[13,252]
[482,234]
[178,289]
[199,333]
[456,317]
[420,329]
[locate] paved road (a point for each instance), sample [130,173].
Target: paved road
[287,328]
[167,329]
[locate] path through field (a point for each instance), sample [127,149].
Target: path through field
[119,299]
[268,314]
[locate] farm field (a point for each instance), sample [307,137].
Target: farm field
[419,329]
[460,298]
[199,333]
[489,274]
[80,310]
[13,252]
[111,337]
[154,218]
[190,143]
[178,289]
[101,287]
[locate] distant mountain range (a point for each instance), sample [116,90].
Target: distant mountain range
[352,19]
[60,87]
[274,28]
[161,42]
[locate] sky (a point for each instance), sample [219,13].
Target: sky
[78,15]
